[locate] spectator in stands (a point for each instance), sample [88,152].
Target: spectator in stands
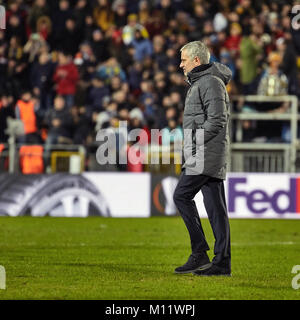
[173,59]
[26,111]
[103,118]
[120,97]
[135,157]
[167,9]
[60,16]
[273,81]
[81,10]
[120,13]
[89,27]
[15,50]
[6,111]
[200,16]
[81,124]
[144,13]
[15,28]
[12,83]
[117,84]
[135,77]
[86,63]
[226,58]
[96,93]
[135,149]
[16,8]
[65,78]
[41,81]
[143,46]
[33,46]
[160,85]
[250,49]
[103,15]
[116,46]
[147,98]
[159,54]
[137,128]
[155,24]
[3,69]
[288,64]
[100,45]
[232,42]
[110,69]
[128,33]
[176,100]
[44,27]
[2,38]
[245,11]
[39,9]
[59,123]
[172,133]
[178,84]
[72,37]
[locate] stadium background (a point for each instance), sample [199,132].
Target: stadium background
[69,68]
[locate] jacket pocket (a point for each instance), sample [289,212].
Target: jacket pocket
[199,120]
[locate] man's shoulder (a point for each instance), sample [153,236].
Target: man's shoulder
[209,81]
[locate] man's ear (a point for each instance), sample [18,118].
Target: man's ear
[197,60]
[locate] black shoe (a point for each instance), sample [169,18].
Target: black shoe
[214,270]
[195,262]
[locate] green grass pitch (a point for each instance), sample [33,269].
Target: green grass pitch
[110,258]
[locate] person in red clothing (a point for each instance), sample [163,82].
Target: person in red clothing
[65,78]
[232,43]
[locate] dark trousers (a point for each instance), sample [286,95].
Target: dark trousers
[215,205]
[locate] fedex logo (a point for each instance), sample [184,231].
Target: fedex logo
[259,201]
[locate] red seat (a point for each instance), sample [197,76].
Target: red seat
[31,159]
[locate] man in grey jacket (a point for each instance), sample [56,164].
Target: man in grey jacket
[206,140]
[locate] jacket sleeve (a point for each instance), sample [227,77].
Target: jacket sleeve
[214,102]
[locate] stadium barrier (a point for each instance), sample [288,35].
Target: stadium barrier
[260,157]
[61,158]
[110,194]
[264,157]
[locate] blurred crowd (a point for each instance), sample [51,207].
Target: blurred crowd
[71,67]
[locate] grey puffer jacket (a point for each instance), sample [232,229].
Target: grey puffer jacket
[207,107]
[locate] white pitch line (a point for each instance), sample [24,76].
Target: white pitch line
[276,243]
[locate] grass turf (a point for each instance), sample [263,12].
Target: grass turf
[109,258]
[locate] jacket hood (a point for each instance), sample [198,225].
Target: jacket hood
[216,69]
